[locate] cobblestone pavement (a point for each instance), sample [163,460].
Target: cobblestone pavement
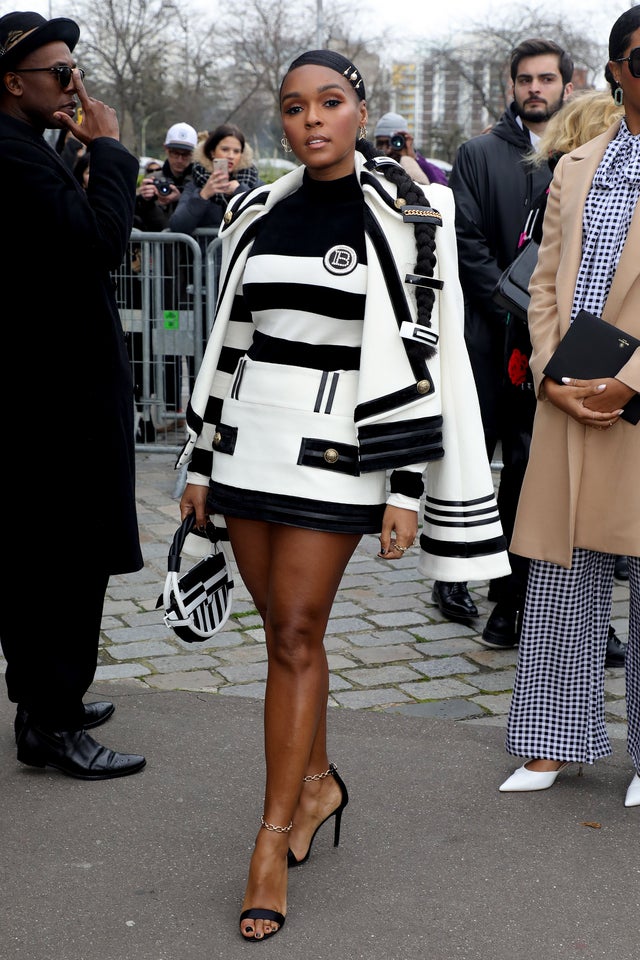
[389,647]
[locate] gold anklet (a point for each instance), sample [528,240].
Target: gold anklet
[320,776]
[274,827]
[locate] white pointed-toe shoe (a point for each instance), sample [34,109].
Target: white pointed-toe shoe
[524,779]
[632,798]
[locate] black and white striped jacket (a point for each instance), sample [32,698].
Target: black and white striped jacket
[402,395]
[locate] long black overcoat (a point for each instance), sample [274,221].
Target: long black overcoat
[69,465]
[494,188]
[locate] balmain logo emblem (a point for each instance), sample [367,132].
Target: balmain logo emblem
[340,260]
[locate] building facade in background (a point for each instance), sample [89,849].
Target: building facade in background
[448,98]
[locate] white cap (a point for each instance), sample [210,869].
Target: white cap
[182,136]
[389,124]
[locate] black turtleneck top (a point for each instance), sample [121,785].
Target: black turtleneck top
[305,277]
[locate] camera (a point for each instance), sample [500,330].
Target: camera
[397,141]
[163,186]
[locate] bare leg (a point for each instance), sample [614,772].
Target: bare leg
[292,575]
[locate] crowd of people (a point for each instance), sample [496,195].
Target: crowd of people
[358,371]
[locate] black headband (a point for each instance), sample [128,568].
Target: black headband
[335,61]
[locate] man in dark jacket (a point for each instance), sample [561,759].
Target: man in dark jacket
[68,487]
[494,188]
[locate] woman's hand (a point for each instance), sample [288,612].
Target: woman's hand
[399,531]
[593,403]
[194,500]
[219,182]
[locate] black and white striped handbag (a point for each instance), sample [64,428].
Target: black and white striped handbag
[198,603]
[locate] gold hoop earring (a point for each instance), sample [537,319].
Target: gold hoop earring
[362,133]
[286,145]
[618,97]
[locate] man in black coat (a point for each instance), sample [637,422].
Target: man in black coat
[68,484]
[494,189]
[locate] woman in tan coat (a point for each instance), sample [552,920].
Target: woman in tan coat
[580,502]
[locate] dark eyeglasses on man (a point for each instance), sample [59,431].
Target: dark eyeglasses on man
[64,74]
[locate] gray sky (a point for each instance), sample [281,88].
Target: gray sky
[416,19]
[446,17]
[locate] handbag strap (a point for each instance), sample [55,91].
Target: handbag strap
[527,230]
[179,537]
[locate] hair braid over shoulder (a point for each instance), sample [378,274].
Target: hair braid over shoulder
[425,233]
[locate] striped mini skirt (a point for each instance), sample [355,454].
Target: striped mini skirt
[285,451]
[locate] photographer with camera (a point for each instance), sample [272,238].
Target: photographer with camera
[156,201]
[392,137]
[158,196]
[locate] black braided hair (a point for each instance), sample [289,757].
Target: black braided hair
[425,233]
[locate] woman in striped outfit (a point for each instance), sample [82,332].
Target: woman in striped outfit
[580,502]
[336,359]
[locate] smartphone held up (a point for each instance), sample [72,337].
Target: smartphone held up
[221,166]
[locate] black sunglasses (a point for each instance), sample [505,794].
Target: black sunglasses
[634,62]
[64,74]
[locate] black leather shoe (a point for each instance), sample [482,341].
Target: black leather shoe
[503,627]
[453,601]
[621,569]
[94,715]
[616,650]
[97,713]
[75,753]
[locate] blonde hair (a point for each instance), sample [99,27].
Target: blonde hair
[585,115]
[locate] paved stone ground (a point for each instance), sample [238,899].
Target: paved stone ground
[389,647]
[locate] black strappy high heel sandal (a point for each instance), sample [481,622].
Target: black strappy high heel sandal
[262,913]
[292,860]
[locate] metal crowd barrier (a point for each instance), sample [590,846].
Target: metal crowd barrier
[166,291]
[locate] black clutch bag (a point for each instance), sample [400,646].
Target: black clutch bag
[512,289]
[592,348]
